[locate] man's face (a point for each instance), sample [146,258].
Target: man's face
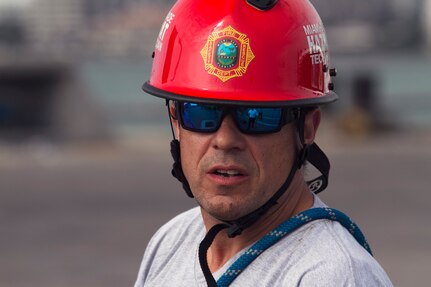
[231,173]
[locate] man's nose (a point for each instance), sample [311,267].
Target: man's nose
[228,136]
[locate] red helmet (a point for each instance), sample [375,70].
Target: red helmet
[240,52]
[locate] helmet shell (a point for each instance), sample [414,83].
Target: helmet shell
[231,52]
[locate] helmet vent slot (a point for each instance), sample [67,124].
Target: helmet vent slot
[262,4]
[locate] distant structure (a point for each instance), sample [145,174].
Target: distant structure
[426,16]
[96,28]
[50,23]
[46,100]
[372,25]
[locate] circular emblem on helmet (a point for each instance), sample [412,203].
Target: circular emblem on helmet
[226,53]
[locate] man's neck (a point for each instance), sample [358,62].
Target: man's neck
[291,203]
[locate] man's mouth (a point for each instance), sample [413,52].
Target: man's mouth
[227,173]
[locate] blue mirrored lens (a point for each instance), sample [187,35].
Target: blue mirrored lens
[199,117]
[258,120]
[207,118]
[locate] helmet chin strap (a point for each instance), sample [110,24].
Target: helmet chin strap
[177,170]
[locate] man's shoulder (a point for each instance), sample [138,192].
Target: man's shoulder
[328,240]
[330,252]
[331,240]
[330,236]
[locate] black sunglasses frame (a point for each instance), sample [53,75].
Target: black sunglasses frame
[288,115]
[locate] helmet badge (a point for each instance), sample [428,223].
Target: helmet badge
[227,54]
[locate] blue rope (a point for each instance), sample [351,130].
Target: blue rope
[285,228]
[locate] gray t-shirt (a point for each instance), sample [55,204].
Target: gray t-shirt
[321,253]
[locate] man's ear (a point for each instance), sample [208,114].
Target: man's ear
[312,122]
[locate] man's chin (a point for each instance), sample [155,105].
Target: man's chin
[226,214]
[225,208]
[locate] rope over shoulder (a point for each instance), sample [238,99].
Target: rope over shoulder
[284,229]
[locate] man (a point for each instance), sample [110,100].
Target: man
[259,223]
[252,115]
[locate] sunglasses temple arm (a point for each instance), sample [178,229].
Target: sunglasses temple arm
[170,119]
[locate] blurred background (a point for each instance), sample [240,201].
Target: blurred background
[84,153]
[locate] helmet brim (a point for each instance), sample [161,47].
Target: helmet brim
[327,98]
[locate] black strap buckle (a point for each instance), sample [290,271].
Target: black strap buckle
[318,158]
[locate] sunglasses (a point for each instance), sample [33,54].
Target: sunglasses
[207,118]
